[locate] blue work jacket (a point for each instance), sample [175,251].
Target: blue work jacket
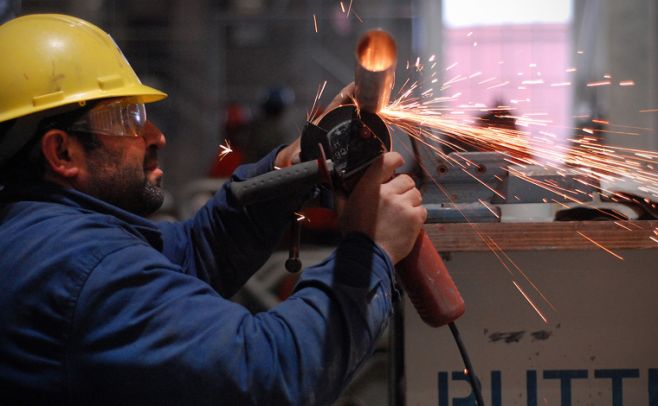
[99,306]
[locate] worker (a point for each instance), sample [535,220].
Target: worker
[101,306]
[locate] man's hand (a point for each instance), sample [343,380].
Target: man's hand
[290,154]
[388,209]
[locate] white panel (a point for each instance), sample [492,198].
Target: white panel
[460,13]
[604,330]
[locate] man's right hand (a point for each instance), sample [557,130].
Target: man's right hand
[385,207]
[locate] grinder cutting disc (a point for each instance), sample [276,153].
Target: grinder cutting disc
[351,140]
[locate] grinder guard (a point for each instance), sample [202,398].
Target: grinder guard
[351,139]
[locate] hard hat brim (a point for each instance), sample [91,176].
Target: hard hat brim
[144,94]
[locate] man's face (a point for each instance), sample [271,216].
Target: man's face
[124,171]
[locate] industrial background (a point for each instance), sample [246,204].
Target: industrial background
[218,60]
[232,65]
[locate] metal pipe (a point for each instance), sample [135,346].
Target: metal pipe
[376,58]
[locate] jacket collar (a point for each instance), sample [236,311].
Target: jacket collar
[49,192]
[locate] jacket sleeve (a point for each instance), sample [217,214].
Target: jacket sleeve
[145,333]
[224,244]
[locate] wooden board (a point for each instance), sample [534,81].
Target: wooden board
[564,235]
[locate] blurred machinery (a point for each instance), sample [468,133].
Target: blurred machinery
[490,189]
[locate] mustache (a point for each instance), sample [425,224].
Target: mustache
[151,156]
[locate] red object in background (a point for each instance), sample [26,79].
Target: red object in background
[237,116]
[320,219]
[223,167]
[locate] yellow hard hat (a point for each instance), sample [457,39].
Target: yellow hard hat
[52,60]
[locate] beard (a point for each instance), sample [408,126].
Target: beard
[125,186]
[152,198]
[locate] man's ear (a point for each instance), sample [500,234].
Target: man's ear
[62,153]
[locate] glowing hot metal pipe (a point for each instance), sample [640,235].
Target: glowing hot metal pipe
[374,76]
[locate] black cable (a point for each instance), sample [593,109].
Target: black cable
[475,383]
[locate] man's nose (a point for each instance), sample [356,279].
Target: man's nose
[154,136]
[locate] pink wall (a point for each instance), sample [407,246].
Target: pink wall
[507,53]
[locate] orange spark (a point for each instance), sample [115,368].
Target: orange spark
[533,82]
[530,302]
[498,85]
[599,83]
[560,203]
[482,202]
[622,226]
[311,115]
[495,247]
[486,81]
[601,246]
[224,150]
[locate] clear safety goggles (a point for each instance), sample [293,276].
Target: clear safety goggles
[120,117]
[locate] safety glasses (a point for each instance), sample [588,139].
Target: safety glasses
[118,117]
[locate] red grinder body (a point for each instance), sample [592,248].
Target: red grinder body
[428,284]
